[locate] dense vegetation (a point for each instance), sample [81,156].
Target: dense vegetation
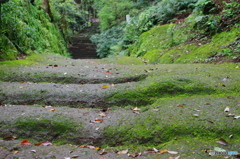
[159,31]
[170,25]
[39,26]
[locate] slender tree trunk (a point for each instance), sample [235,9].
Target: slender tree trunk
[47,9]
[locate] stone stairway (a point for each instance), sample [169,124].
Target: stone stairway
[82,47]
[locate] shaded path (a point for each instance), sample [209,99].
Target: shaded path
[82,47]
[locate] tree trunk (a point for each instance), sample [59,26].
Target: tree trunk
[47,9]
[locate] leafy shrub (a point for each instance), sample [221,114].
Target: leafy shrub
[107,39]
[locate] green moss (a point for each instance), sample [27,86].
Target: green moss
[161,37]
[165,121]
[166,44]
[57,127]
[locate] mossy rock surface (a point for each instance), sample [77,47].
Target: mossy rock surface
[118,106]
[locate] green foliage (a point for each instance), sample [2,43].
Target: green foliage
[113,12]
[28,29]
[107,39]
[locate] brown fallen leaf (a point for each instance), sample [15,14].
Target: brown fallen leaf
[207,103]
[44,143]
[107,71]
[15,152]
[151,150]
[90,147]
[9,138]
[25,142]
[104,110]
[75,156]
[222,142]
[162,152]
[96,121]
[179,105]
[52,110]
[136,154]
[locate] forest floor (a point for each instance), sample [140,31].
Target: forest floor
[57,107]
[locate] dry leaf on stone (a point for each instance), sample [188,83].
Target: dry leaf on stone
[151,150]
[227,109]
[222,142]
[230,115]
[195,115]
[134,155]
[179,105]
[122,152]
[33,151]
[52,110]
[96,121]
[75,156]
[9,138]
[90,147]
[104,86]
[25,142]
[237,117]
[136,109]
[173,152]
[102,115]
[106,109]
[162,152]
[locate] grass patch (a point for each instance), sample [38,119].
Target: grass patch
[165,121]
[52,128]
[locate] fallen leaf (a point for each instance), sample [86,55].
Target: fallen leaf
[162,152]
[104,110]
[195,115]
[207,103]
[230,115]
[104,86]
[25,142]
[102,153]
[55,65]
[134,155]
[222,142]
[136,109]
[46,143]
[9,138]
[90,147]
[107,71]
[223,85]
[33,151]
[237,117]
[151,150]
[173,152]
[52,110]
[102,115]
[122,152]
[227,109]
[15,152]
[75,156]
[179,105]
[230,136]
[96,121]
